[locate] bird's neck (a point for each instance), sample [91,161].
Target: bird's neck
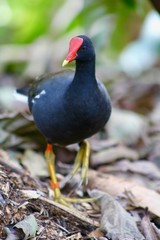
[85,72]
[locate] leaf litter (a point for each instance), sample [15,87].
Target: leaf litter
[24,229]
[115,221]
[124,170]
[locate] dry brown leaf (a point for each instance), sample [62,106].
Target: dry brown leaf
[96,234]
[32,194]
[7,162]
[35,163]
[99,145]
[157,231]
[138,96]
[142,167]
[133,129]
[115,221]
[137,194]
[147,229]
[112,154]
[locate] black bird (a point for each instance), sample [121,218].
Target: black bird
[68,107]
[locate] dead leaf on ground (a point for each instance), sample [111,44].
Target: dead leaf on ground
[99,145]
[112,154]
[134,128]
[21,132]
[143,167]
[21,197]
[138,195]
[32,194]
[96,234]
[35,163]
[115,221]
[148,229]
[138,96]
[24,229]
[6,161]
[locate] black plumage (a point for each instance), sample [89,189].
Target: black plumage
[69,107]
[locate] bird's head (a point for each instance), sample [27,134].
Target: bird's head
[80,49]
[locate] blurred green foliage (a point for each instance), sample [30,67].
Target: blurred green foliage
[25,20]
[113,22]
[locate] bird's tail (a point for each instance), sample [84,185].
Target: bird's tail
[21,94]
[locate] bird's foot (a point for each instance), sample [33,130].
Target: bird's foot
[58,197]
[82,160]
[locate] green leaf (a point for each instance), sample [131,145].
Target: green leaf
[28,226]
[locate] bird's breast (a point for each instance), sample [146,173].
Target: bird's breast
[69,118]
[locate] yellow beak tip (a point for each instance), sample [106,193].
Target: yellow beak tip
[65,62]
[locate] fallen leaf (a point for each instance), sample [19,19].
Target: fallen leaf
[147,228]
[96,234]
[24,229]
[99,145]
[32,194]
[115,221]
[131,131]
[138,96]
[35,163]
[143,167]
[138,195]
[6,161]
[157,231]
[112,154]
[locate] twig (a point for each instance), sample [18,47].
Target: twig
[73,213]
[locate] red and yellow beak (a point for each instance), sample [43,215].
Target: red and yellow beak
[74,46]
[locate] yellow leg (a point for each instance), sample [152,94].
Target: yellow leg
[78,161]
[82,159]
[85,162]
[50,157]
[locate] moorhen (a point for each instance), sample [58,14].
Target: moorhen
[69,107]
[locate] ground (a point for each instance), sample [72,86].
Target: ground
[124,174]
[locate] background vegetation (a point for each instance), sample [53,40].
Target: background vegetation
[112,25]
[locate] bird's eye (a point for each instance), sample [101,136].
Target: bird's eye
[83,47]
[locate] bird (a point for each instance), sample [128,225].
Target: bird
[69,107]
